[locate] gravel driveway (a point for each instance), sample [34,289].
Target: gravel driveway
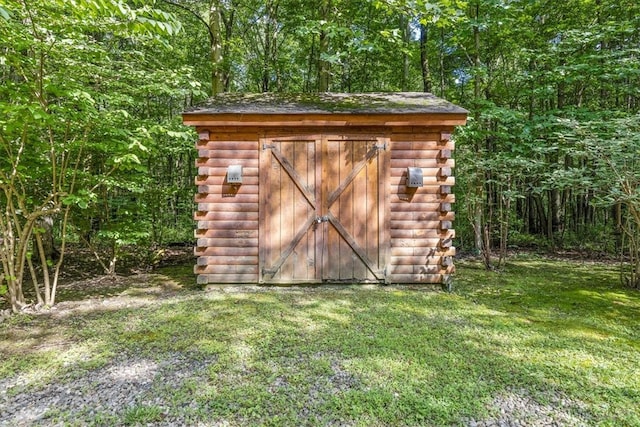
[111,394]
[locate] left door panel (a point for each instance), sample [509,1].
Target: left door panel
[289,207]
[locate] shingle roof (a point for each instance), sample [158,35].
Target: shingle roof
[327,103]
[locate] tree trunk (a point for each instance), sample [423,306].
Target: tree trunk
[441,54]
[424,59]
[406,38]
[542,215]
[228,33]
[266,57]
[556,210]
[45,269]
[505,209]
[324,67]
[45,224]
[216,51]
[476,55]
[481,232]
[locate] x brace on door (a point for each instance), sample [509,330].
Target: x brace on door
[310,191]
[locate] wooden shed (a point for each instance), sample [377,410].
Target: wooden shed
[315,188]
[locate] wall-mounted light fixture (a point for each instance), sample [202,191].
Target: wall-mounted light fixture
[414,177]
[234,174]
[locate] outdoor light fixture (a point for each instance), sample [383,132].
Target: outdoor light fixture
[414,177]
[234,174]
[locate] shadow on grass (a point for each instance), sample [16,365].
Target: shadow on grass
[562,296]
[382,356]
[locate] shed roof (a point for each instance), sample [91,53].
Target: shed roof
[323,103]
[340,109]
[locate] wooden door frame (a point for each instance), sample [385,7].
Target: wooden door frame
[322,205]
[330,196]
[264,230]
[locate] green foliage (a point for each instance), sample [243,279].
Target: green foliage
[83,84]
[613,147]
[541,81]
[102,83]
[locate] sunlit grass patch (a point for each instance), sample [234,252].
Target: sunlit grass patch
[142,414]
[557,338]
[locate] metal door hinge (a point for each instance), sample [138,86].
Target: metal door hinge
[268,146]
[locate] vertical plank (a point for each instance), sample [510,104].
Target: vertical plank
[264,219]
[331,181]
[288,217]
[373,219]
[303,154]
[344,209]
[320,233]
[360,211]
[308,157]
[384,207]
[324,188]
[275,208]
[301,210]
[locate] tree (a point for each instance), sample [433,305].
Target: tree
[217,17]
[612,145]
[61,137]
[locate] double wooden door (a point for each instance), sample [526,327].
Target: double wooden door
[323,209]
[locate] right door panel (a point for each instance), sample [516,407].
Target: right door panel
[353,204]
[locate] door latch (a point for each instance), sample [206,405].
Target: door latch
[321,219]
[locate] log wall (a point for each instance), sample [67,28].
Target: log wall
[421,218]
[420,234]
[226,215]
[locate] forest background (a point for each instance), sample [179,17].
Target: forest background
[94,154]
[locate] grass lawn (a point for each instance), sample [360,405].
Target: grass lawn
[541,342]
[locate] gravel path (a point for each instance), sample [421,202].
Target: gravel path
[108,395]
[518,409]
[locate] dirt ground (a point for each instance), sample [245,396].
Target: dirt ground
[83,282]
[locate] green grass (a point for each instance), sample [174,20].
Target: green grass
[142,414]
[562,335]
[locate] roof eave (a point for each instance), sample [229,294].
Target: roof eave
[209,119]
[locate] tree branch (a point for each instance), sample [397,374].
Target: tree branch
[198,17]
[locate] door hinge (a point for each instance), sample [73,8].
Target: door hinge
[268,146]
[381,147]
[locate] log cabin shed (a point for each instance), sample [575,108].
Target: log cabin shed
[324,188]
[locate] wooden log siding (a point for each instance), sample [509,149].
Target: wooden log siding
[421,218]
[226,215]
[324,194]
